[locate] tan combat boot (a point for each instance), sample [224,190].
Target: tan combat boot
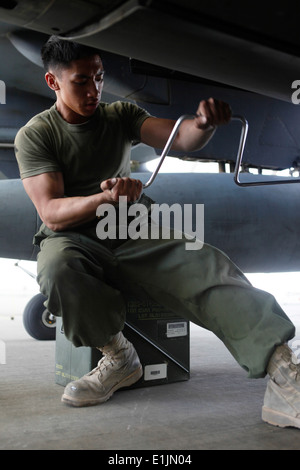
[282,398]
[119,367]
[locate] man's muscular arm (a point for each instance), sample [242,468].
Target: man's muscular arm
[61,213]
[192,135]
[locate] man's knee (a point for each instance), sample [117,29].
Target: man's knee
[56,265]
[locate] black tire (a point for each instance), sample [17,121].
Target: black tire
[38,322]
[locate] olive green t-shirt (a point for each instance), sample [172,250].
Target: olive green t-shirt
[87,153]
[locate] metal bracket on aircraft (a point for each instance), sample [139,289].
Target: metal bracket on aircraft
[239,158]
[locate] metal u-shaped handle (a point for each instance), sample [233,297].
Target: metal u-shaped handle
[175,131]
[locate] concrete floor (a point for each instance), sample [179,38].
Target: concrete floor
[218,408]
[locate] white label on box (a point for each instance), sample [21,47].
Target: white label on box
[155,372]
[176,329]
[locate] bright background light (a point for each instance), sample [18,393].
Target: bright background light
[175,165]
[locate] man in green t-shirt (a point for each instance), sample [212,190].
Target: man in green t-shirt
[75,157]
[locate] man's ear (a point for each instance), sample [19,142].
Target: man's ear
[51,81]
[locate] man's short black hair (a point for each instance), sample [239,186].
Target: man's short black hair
[58,52]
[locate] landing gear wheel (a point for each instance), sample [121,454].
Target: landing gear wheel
[38,322]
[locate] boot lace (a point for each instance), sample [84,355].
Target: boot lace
[105,363]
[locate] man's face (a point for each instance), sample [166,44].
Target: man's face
[78,88]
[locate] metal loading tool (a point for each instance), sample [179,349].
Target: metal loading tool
[175,132]
[240,152]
